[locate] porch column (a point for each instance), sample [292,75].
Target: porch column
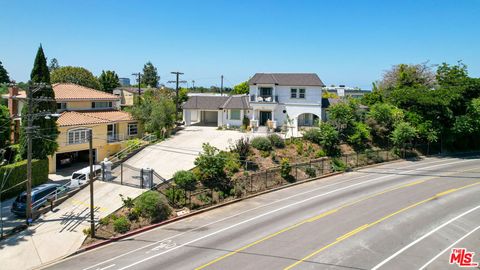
[253,114]
[273,115]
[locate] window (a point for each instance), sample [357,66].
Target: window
[102,104]
[265,91]
[234,114]
[132,129]
[293,93]
[77,136]
[61,106]
[301,93]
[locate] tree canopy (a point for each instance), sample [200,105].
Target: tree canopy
[76,75]
[150,76]
[3,74]
[108,81]
[53,64]
[241,88]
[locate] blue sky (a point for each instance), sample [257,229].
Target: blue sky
[345,42]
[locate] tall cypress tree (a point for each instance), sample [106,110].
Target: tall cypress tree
[45,135]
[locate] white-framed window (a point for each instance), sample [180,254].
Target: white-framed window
[301,93]
[61,106]
[293,93]
[77,136]
[102,104]
[234,114]
[132,129]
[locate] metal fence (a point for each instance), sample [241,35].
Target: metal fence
[252,182]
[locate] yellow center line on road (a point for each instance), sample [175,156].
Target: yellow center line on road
[361,228]
[312,219]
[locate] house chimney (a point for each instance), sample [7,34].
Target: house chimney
[13,110]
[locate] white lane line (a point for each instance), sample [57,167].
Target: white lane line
[423,237]
[262,206]
[449,247]
[257,217]
[110,266]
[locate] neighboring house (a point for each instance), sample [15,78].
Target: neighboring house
[127,95]
[216,110]
[345,91]
[272,97]
[124,81]
[81,109]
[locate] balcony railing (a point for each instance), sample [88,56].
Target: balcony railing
[115,138]
[264,98]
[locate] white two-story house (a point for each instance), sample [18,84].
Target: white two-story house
[273,98]
[281,96]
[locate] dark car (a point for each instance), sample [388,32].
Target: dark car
[40,194]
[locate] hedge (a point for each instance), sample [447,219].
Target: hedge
[17,173]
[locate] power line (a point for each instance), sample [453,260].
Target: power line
[177,73]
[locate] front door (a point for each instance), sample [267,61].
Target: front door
[264,117]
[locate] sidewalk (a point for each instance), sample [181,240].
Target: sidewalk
[59,233]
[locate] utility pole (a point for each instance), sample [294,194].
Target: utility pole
[90,176]
[139,75]
[193,85]
[221,86]
[176,91]
[29,132]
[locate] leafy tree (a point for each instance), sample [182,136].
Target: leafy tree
[44,141]
[3,74]
[455,75]
[403,133]
[5,124]
[210,168]
[185,180]
[241,88]
[469,124]
[403,75]
[53,64]
[342,116]
[326,136]
[360,136]
[327,94]
[108,81]
[155,112]
[150,76]
[382,118]
[182,95]
[76,75]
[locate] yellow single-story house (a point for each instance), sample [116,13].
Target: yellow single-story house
[82,109]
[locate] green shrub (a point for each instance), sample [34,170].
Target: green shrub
[338,165]
[320,153]
[127,202]
[206,199]
[326,136]
[299,147]
[17,173]
[242,148]
[87,231]
[104,221]
[276,141]
[121,225]
[264,154]
[245,122]
[133,215]
[175,195]
[150,205]
[273,156]
[286,169]
[262,143]
[185,180]
[310,172]
[232,163]
[210,169]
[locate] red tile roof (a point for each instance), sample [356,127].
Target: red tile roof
[72,92]
[75,118]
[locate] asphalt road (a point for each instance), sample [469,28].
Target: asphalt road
[403,215]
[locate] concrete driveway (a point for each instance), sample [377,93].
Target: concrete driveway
[179,151]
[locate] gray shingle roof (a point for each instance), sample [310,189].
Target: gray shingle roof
[217,102]
[287,79]
[237,102]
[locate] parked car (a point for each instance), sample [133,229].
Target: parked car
[40,195]
[80,177]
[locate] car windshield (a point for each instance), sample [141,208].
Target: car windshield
[78,176]
[22,199]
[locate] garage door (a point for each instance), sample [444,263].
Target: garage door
[210,117]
